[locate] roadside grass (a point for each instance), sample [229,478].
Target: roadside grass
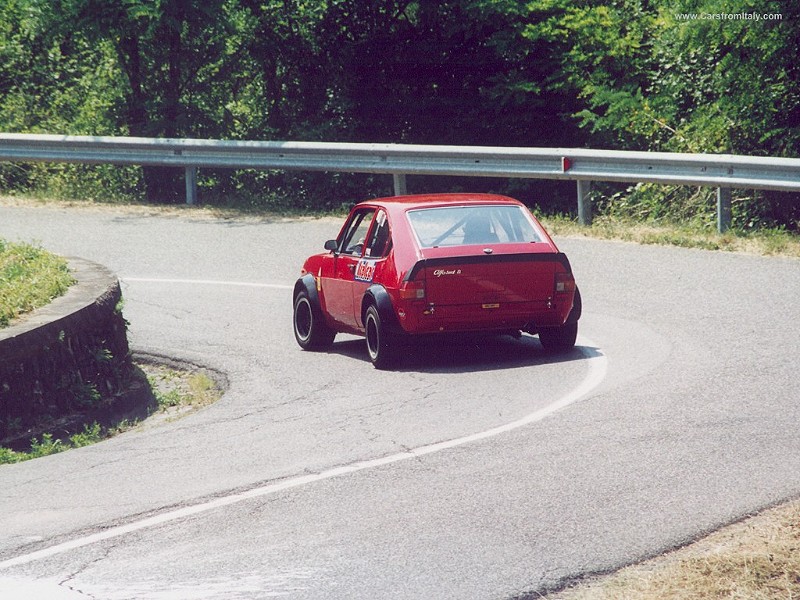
[767,242]
[755,559]
[275,212]
[178,392]
[175,393]
[30,277]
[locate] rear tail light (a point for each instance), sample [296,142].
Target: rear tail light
[565,283]
[413,290]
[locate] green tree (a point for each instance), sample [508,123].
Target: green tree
[172,54]
[446,71]
[630,74]
[51,80]
[285,62]
[449,72]
[653,78]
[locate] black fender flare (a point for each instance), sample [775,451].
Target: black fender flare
[376,294]
[309,284]
[577,307]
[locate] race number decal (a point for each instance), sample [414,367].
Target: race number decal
[365,270]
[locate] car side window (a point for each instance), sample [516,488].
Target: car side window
[356,232]
[380,240]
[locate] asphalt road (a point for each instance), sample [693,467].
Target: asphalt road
[479,471]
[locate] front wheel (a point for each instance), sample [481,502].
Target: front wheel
[310,329]
[383,345]
[559,339]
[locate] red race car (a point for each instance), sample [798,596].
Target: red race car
[435,264]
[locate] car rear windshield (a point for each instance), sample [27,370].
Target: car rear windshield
[464,225]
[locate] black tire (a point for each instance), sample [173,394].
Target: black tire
[559,339]
[383,345]
[310,329]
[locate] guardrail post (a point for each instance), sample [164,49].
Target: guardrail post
[400,188]
[724,213]
[584,204]
[191,185]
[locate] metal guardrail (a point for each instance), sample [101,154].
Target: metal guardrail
[722,171]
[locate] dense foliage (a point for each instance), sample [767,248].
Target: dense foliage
[629,74]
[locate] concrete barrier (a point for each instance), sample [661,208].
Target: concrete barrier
[68,357]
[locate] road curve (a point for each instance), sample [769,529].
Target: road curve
[486,471]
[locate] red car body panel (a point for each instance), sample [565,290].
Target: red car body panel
[463,287]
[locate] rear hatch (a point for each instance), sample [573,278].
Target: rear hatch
[484,279]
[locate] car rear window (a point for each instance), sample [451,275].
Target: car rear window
[465,225]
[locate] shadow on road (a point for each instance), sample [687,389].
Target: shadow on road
[467,353]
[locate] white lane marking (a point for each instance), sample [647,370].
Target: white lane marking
[598,367]
[278,286]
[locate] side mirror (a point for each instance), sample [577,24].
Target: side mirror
[331,245]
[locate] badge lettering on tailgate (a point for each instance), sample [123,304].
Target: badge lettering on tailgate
[440,272]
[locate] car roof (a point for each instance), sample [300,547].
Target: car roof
[437,200]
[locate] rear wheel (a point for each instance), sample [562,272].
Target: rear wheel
[310,329]
[559,339]
[383,345]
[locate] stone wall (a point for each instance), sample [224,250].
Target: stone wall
[68,357]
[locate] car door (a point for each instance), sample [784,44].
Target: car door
[342,287]
[371,265]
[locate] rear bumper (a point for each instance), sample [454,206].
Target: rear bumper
[526,316]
